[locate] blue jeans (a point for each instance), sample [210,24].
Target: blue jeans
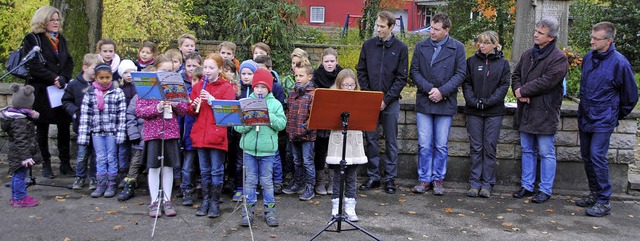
[105,147]
[389,120]
[259,167]
[187,169]
[211,165]
[85,156]
[594,148]
[544,144]
[277,168]
[305,170]
[124,158]
[433,136]
[18,184]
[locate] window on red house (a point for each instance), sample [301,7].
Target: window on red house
[316,14]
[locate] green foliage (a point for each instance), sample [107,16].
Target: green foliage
[209,19]
[584,13]
[159,21]
[313,35]
[625,14]
[371,9]
[465,28]
[15,21]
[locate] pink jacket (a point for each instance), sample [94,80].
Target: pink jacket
[146,109]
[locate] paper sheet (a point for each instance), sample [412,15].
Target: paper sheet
[55,95]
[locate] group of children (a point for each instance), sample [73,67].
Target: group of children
[178,141]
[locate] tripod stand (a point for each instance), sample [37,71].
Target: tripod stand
[363,107]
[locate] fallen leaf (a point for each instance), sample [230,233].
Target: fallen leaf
[448,210]
[411,212]
[97,209]
[631,216]
[596,227]
[383,204]
[460,214]
[376,214]
[549,210]
[362,195]
[529,210]
[459,200]
[124,207]
[552,221]
[500,217]
[409,238]
[425,236]
[316,203]
[273,236]
[402,200]
[39,218]
[515,229]
[509,210]
[140,203]
[507,224]
[112,211]
[118,227]
[66,239]
[526,201]
[100,219]
[545,232]
[233,229]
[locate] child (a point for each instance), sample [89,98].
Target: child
[17,123]
[106,50]
[324,77]
[228,51]
[191,61]
[298,56]
[102,120]
[302,139]
[147,55]
[346,80]
[155,130]
[186,45]
[176,58]
[190,154]
[247,69]
[229,69]
[210,140]
[72,101]
[129,90]
[260,156]
[260,48]
[135,133]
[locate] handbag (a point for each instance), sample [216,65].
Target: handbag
[16,56]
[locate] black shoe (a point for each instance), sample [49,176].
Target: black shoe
[587,201]
[523,192]
[370,184]
[47,172]
[541,197]
[390,187]
[67,170]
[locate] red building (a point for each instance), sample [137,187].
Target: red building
[333,13]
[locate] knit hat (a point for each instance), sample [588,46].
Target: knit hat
[262,76]
[250,64]
[126,65]
[22,96]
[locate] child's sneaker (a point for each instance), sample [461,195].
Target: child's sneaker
[270,215]
[153,210]
[294,188]
[93,183]
[308,193]
[78,183]
[237,195]
[277,188]
[26,202]
[168,209]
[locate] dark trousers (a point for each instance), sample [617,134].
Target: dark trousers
[389,120]
[594,148]
[483,139]
[64,136]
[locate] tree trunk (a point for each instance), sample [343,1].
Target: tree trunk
[82,26]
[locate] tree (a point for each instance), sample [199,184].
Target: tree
[82,26]
[15,21]
[208,19]
[371,9]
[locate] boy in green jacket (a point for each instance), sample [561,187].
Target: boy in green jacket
[260,145]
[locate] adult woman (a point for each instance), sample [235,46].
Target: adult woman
[484,90]
[55,70]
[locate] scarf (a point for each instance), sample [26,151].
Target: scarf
[437,48]
[326,79]
[115,62]
[538,52]
[28,112]
[143,64]
[100,91]
[53,39]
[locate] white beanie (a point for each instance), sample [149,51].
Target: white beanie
[126,65]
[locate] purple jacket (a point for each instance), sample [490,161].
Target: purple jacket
[146,109]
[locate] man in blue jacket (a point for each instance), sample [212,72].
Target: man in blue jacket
[383,67]
[438,68]
[608,92]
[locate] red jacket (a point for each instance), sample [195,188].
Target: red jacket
[205,133]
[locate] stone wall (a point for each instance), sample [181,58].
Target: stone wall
[570,172]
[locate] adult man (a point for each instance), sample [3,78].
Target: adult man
[383,67]
[608,92]
[537,83]
[438,68]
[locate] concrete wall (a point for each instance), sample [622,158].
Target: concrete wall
[569,175]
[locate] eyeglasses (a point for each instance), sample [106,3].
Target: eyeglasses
[348,85]
[598,39]
[54,20]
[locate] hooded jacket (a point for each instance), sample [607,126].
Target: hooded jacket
[72,98]
[265,141]
[486,84]
[205,133]
[299,111]
[22,138]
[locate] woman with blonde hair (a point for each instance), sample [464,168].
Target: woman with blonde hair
[53,66]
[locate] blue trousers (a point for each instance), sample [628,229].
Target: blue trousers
[594,148]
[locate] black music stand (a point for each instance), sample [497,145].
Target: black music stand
[344,110]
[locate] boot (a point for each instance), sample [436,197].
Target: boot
[111,186]
[122,174]
[206,200]
[214,206]
[335,204]
[330,182]
[247,215]
[187,197]
[47,172]
[350,209]
[270,215]
[128,191]
[101,186]
[66,169]
[321,184]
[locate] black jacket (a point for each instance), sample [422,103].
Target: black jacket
[23,142]
[486,84]
[383,67]
[44,74]
[72,98]
[323,79]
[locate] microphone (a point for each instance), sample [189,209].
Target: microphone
[31,53]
